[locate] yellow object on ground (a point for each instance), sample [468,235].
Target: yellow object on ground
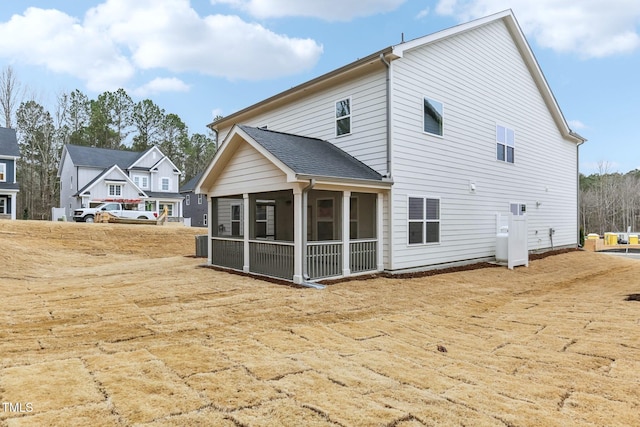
[633,239]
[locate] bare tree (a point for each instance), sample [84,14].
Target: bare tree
[11,93]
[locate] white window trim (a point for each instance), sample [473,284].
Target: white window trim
[424,220]
[422,112]
[205,219]
[114,186]
[507,128]
[199,199]
[3,171]
[187,200]
[239,220]
[162,179]
[350,116]
[3,205]
[141,183]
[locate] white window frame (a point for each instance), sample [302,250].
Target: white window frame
[3,172]
[441,134]
[205,219]
[505,139]
[142,181]
[239,220]
[169,206]
[162,181]
[3,205]
[346,116]
[518,208]
[115,190]
[425,220]
[199,199]
[326,219]
[187,200]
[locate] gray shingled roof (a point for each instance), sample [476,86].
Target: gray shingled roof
[311,156]
[101,157]
[9,143]
[191,184]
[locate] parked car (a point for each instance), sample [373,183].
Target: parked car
[116,209]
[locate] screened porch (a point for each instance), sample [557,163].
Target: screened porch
[256,233]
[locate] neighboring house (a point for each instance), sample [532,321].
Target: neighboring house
[9,187]
[194,205]
[405,159]
[147,180]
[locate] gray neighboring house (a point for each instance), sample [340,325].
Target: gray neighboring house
[89,176]
[9,187]
[194,205]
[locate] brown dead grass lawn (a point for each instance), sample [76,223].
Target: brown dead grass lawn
[116,325]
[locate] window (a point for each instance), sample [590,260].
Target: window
[115,189]
[324,219]
[3,172]
[164,184]
[518,208]
[505,144]
[169,207]
[204,219]
[353,218]
[199,199]
[141,181]
[424,220]
[3,205]
[432,117]
[187,199]
[71,183]
[343,117]
[235,220]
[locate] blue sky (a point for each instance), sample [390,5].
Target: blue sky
[200,58]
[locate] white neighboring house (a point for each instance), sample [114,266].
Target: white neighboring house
[401,160]
[89,176]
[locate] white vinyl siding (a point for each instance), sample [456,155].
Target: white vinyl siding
[481,79]
[248,170]
[314,116]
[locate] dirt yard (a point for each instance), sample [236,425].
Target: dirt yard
[115,325]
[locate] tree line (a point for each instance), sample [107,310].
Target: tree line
[610,202]
[112,120]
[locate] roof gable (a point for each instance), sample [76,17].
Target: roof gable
[9,143]
[298,157]
[102,177]
[147,157]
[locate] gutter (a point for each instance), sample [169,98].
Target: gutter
[388,65]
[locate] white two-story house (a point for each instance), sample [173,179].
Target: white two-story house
[9,187]
[404,159]
[89,176]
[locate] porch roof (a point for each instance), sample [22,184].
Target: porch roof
[311,156]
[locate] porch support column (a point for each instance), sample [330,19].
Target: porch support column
[13,205]
[298,256]
[245,217]
[346,206]
[380,230]
[212,207]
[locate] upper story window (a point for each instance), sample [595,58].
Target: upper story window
[165,184]
[199,199]
[141,181]
[343,117]
[3,172]
[505,144]
[433,113]
[187,199]
[115,189]
[424,220]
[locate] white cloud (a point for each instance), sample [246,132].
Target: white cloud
[576,125]
[328,10]
[161,84]
[423,13]
[118,38]
[590,28]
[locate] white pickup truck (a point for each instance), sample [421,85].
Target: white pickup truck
[117,209]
